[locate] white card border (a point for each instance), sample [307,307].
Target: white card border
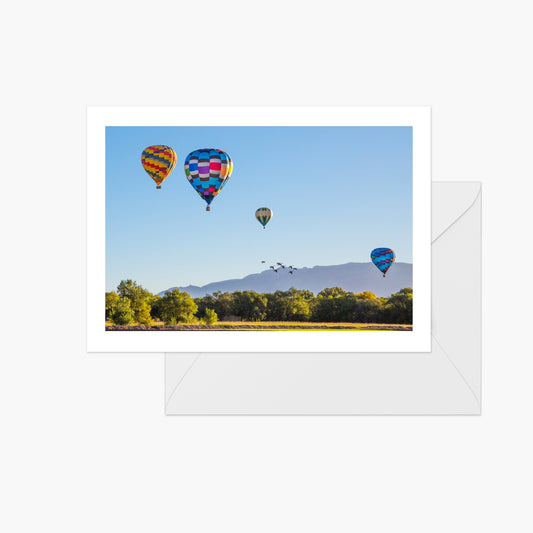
[100,340]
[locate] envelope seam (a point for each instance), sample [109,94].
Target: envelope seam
[458,218]
[181,380]
[459,372]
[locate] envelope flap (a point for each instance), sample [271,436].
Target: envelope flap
[450,203]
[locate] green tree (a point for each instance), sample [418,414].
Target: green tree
[367,310]
[366,295]
[337,305]
[221,302]
[298,309]
[406,290]
[111,299]
[155,307]
[275,306]
[210,317]
[224,304]
[178,308]
[142,313]
[305,294]
[139,299]
[399,307]
[122,313]
[205,302]
[333,292]
[333,305]
[250,305]
[289,305]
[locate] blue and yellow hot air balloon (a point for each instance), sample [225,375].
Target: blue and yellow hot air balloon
[383,258]
[208,170]
[263,215]
[158,161]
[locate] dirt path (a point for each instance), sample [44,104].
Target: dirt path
[266,326]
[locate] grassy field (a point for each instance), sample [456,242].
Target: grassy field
[264,326]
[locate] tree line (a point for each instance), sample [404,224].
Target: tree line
[131,303]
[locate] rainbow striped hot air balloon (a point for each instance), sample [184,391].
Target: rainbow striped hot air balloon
[208,170]
[383,258]
[263,215]
[158,161]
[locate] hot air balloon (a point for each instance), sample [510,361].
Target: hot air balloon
[383,258]
[208,170]
[158,161]
[263,215]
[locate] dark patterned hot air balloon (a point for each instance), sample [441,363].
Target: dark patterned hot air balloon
[383,258]
[158,161]
[208,170]
[263,215]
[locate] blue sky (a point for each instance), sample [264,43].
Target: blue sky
[336,193]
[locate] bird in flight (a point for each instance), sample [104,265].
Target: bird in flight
[278,265]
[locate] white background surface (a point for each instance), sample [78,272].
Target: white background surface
[85,446]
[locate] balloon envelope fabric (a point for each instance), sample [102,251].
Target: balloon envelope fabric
[263,214]
[207,170]
[158,161]
[383,258]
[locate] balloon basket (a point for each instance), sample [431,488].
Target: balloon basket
[208,208]
[158,187]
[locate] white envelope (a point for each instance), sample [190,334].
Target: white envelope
[446,380]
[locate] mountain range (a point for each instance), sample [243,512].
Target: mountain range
[354,277]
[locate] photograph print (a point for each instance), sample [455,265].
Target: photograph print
[258,229]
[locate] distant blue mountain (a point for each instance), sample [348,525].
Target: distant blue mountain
[354,277]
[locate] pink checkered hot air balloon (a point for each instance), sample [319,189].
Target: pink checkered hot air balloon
[208,170]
